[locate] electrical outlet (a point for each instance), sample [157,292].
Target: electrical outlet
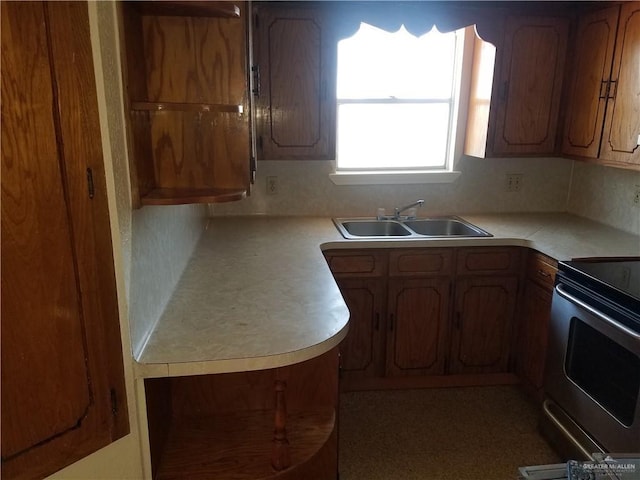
[272,185]
[513,182]
[636,196]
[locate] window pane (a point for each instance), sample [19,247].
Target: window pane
[378,64]
[373,136]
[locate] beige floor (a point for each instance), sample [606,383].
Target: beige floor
[471,433]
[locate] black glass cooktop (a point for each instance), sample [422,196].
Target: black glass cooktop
[618,280]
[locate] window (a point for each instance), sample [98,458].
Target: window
[397,100]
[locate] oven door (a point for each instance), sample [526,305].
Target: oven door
[593,369]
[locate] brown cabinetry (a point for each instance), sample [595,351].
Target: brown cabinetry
[63,392]
[519,116]
[187,101]
[484,307]
[438,311]
[418,311]
[534,321]
[361,277]
[603,120]
[278,423]
[295,82]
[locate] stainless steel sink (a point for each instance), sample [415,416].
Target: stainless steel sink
[440,227]
[445,227]
[359,228]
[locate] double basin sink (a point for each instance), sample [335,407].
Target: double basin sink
[437,227]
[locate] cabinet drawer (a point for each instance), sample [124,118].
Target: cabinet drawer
[542,269]
[424,261]
[357,264]
[488,260]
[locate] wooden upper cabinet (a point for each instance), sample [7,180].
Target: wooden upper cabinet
[186,81]
[591,67]
[294,82]
[63,393]
[621,136]
[603,119]
[530,73]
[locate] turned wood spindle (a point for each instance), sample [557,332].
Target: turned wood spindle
[280,456]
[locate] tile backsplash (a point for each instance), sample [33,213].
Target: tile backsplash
[304,188]
[606,195]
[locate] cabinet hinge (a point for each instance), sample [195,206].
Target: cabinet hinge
[90,186]
[114,402]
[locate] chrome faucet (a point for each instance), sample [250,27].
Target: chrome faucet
[398,210]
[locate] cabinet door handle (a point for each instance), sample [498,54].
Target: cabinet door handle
[391,319]
[613,89]
[543,273]
[504,91]
[256,80]
[604,88]
[458,321]
[376,324]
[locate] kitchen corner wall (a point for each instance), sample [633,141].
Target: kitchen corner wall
[606,195]
[304,188]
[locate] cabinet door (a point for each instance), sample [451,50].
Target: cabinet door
[295,98]
[621,137]
[62,372]
[529,86]
[484,310]
[362,350]
[591,68]
[418,315]
[532,335]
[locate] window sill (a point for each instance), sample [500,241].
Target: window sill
[392,178]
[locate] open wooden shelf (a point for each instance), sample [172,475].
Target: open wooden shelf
[188,8]
[178,196]
[238,445]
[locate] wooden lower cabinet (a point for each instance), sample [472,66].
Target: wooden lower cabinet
[533,326]
[276,423]
[362,351]
[418,317]
[483,318]
[438,312]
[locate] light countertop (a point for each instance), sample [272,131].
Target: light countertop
[257,292]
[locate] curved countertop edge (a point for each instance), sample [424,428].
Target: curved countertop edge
[232,365]
[554,234]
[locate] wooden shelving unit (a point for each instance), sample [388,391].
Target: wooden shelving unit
[237,446]
[187,87]
[277,423]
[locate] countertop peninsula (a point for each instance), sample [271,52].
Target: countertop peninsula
[257,292]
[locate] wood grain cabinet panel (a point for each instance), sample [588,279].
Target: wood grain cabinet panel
[362,350]
[621,137]
[591,67]
[63,393]
[438,311]
[295,98]
[418,319]
[187,94]
[533,322]
[603,119]
[530,83]
[483,320]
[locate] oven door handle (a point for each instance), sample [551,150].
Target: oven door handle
[563,429]
[614,323]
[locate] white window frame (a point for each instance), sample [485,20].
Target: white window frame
[457,127]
